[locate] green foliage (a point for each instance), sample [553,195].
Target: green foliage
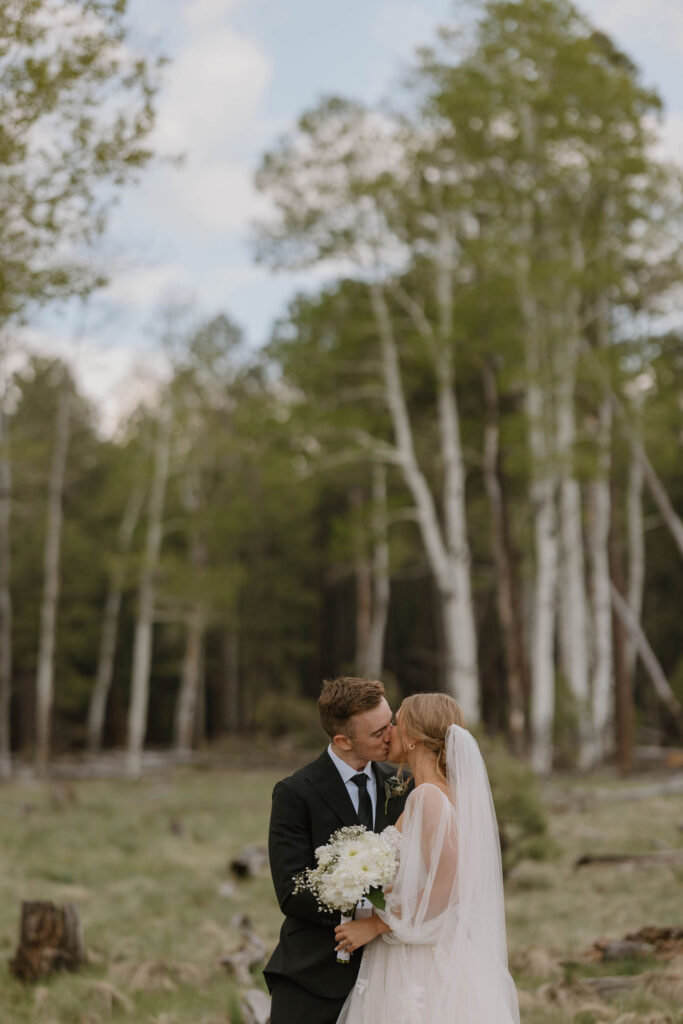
[565,726]
[286,714]
[65,76]
[522,816]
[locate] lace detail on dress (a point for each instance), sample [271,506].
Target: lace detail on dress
[412,1005]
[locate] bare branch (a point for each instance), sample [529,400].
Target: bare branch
[647,655]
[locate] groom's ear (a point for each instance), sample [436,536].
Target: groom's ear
[342,741]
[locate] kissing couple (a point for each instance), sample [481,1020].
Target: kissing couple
[437,953]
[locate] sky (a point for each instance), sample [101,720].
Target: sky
[240,74]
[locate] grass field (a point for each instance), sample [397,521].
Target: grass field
[145,863]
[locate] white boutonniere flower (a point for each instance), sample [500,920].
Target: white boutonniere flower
[395,785]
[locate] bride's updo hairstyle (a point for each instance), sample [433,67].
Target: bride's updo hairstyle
[425,717]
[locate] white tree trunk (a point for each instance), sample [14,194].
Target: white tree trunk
[636,554]
[437,554]
[48,610]
[381,587]
[573,603]
[191,676]
[142,644]
[5,601]
[186,706]
[543,625]
[602,680]
[110,624]
[543,501]
[465,653]
[541,428]
[648,656]
[454,505]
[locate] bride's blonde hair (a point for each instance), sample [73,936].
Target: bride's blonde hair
[425,717]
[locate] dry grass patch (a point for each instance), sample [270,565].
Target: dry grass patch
[146,864]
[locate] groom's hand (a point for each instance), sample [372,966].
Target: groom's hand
[354,934]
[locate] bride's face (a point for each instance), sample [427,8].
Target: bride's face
[397,743]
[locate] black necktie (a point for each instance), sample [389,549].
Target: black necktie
[364,801]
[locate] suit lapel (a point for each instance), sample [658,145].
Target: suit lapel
[381,774]
[327,781]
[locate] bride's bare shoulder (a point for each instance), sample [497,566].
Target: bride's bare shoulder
[427,792]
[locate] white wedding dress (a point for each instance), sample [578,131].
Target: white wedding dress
[445,959]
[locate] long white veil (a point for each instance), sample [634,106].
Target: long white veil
[479,948]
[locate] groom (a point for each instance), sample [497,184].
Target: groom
[344,786]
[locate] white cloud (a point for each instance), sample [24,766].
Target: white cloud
[214,90]
[213,197]
[210,110]
[146,287]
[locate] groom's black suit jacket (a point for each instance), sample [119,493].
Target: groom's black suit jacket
[307,808]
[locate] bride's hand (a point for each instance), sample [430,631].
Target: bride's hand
[355,934]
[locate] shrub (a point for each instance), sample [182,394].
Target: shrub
[522,817]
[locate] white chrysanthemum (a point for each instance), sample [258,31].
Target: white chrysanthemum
[348,867]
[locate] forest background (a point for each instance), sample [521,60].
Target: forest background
[456,465]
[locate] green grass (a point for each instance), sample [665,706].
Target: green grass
[144,863]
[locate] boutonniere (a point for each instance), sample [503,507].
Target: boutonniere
[395,785]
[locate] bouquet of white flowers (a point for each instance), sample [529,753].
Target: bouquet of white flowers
[353,864]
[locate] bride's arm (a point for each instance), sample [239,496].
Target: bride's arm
[425,884]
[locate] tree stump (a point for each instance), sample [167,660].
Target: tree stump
[50,939]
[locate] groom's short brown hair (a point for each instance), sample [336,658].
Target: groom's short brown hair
[341,698]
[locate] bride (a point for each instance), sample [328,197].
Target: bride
[437,954]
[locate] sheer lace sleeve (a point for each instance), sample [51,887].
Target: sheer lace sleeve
[425,885]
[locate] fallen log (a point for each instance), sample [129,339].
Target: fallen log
[667,757]
[50,939]
[649,941]
[643,860]
[613,985]
[255,1007]
[625,949]
[668,941]
[250,953]
[249,862]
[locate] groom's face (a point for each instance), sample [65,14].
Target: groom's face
[367,736]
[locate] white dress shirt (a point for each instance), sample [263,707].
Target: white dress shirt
[347,773]
[363,907]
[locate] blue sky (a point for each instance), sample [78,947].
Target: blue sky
[241,73]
